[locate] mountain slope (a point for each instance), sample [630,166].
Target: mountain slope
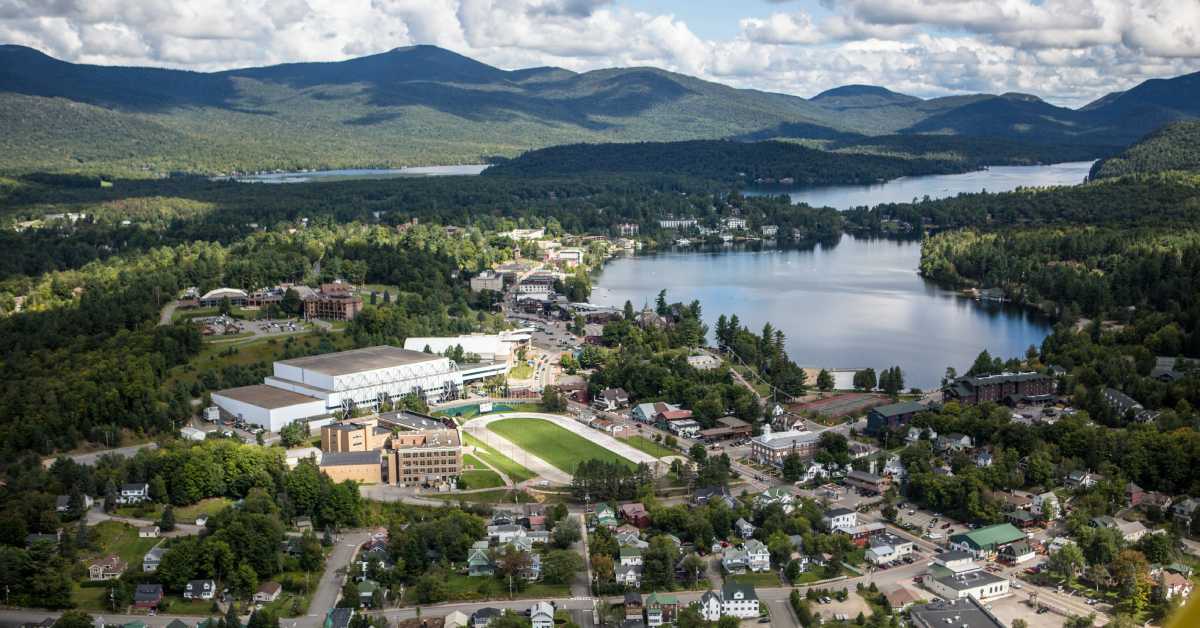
[1174,147]
[424,105]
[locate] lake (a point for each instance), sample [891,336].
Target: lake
[362,173]
[905,189]
[854,304]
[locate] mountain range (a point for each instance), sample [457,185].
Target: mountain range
[427,105]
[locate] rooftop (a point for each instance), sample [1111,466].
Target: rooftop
[967,611]
[897,409]
[410,420]
[265,396]
[347,458]
[991,536]
[358,360]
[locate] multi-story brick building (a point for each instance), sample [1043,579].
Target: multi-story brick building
[1010,388]
[334,301]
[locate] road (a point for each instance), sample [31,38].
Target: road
[167,313]
[334,577]
[90,458]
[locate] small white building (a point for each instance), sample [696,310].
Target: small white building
[188,432]
[839,519]
[541,615]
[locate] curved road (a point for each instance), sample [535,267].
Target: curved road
[478,427]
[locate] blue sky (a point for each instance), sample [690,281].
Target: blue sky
[1069,52]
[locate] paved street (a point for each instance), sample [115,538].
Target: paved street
[90,458]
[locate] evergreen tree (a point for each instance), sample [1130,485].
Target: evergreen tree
[167,521]
[628,310]
[824,381]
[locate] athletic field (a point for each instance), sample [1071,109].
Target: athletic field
[842,405]
[557,446]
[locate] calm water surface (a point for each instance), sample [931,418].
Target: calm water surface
[858,303]
[905,189]
[363,173]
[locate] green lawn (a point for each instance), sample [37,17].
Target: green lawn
[183,514]
[463,588]
[480,476]
[514,471]
[120,539]
[176,605]
[764,579]
[807,577]
[555,445]
[521,371]
[649,446]
[91,598]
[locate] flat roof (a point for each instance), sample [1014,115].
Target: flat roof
[264,396]
[358,360]
[349,458]
[967,611]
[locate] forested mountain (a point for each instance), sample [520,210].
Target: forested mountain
[1174,147]
[852,159]
[424,105]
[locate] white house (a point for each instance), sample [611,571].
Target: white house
[839,518]
[758,557]
[134,493]
[631,557]
[200,590]
[744,528]
[1038,506]
[629,575]
[739,600]
[778,495]
[710,606]
[541,615]
[505,533]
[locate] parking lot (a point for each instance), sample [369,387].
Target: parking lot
[931,526]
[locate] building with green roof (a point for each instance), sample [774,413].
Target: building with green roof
[985,542]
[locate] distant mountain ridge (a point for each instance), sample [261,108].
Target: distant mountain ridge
[423,104]
[1173,147]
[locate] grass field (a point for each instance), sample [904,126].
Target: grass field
[521,371]
[555,445]
[649,446]
[465,589]
[514,471]
[120,539]
[183,514]
[480,476]
[765,579]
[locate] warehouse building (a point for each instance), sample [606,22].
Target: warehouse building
[327,385]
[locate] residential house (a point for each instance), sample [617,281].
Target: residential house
[605,516]
[952,442]
[1166,370]
[505,533]
[629,575]
[457,619]
[338,618]
[484,617]
[710,606]
[611,399]
[1184,510]
[983,459]
[153,558]
[267,592]
[813,472]
[134,493]
[479,561]
[636,514]
[706,494]
[631,539]
[62,503]
[541,615]
[147,596]
[633,605]
[1132,531]
[199,590]
[1045,506]
[1021,518]
[744,528]
[1134,495]
[839,518]
[661,608]
[888,548]
[630,557]
[107,568]
[777,495]
[1081,479]
[915,434]
[758,557]
[1016,553]
[1175,585]
[737,600]
[148,532]
[867,482]
[900,598]
[1155,499]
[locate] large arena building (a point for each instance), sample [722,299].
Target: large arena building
[327,385]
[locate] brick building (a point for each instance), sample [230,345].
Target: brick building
[1010,388]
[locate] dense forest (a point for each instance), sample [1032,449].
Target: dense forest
[744,163]
[1173,147]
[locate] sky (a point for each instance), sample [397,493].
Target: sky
[1066,51]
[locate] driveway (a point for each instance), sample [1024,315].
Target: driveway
[90,458]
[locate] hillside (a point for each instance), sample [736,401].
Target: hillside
[426,105]
[733,162]
[1174,147]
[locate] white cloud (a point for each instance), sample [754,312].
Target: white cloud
[1068,51]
